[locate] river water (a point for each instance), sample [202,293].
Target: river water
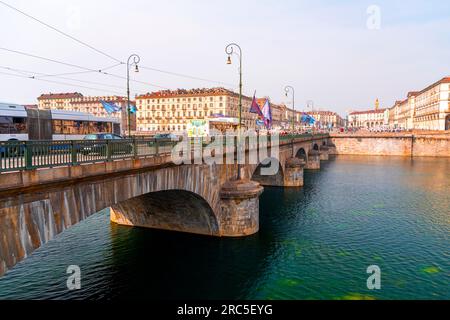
[315,242]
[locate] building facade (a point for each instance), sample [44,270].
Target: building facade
[367,119]
[432,107]
[327,119]
[91,104]
[428,109]
[171,110]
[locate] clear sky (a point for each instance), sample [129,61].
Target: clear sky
[333,52]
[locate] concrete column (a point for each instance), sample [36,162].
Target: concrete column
[313,162]
[324,150]
[293,172]
[239,206]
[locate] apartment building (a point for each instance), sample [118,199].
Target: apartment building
[171,110]
[428,109]
[75,101]
[367,119]
[432,106]
[327,119]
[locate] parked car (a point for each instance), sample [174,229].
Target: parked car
[164,139]
[100,142]
[166,136]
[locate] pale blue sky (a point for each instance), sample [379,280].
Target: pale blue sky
[322,48]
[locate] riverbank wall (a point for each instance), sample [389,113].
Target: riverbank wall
[392,144]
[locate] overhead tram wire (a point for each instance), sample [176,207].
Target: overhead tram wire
[37,75]
[106,54]
[184,75]
[78,66]
[61,83]
[61,32]
[49,60]
[75,73]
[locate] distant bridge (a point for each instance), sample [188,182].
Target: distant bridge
[46,187]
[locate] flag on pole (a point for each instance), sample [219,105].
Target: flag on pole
[267,114]
[308,119]
[254,108]
[110,107]
[133,109]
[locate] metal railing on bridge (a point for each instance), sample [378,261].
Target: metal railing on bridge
[30,155]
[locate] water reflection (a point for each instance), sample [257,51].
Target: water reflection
[315,242]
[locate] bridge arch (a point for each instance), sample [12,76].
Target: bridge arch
[276,179]
[315,147]
[301,154]
[176,210]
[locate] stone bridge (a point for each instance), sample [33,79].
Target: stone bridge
[36,205]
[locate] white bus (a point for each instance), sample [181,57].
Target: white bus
[19,123]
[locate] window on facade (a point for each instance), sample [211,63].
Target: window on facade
[13,125]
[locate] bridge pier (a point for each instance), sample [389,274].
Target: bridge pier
[293,173]
[324,151]
[313,162]
[331,148]
[239,207]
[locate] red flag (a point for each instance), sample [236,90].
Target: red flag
[254,108]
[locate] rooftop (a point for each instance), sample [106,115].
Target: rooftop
[327,113]
[188,93]
[67,95]
[367,111]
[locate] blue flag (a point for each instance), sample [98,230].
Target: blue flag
[110,107]
[107,106]
[132,108]
[308,119]
[259,122]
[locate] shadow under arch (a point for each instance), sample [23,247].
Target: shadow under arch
[301,154]
[174,210]
[316,147]
[274,179]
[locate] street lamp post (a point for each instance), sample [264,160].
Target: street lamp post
[310,104]
[132,60]
[229,50]
[288,89]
